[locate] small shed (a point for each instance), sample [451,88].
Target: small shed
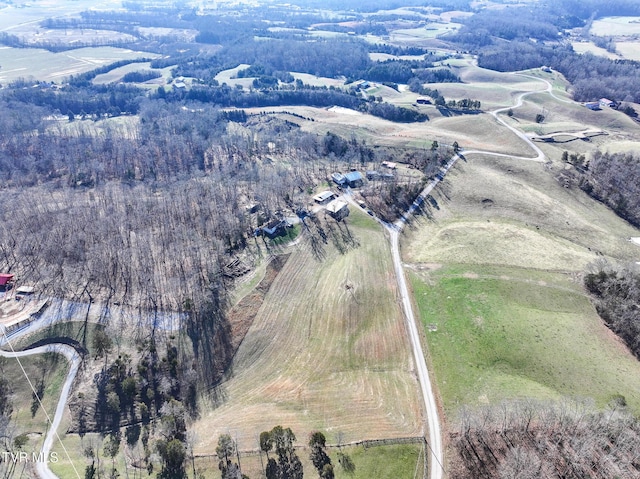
[372,175]
[354,179]
[324,197]
[338,209]
[5,278]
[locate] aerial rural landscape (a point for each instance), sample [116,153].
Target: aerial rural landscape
[334,239]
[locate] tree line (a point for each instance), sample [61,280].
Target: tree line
[616,294]
[612,178]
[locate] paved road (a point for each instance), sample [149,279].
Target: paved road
[74,360]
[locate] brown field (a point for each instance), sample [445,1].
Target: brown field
[327,350]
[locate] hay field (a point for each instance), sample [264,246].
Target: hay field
[327,350]
[43,65]
[629,50]
[496,277]
[590,47]
[616,26]
[472,131]
[228,77]
[116,75]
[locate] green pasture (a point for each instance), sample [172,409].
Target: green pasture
[49,369]
[492,337]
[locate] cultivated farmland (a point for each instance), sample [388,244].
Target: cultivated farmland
[327,351]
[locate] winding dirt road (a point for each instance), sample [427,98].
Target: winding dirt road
[42,467]
[436,462]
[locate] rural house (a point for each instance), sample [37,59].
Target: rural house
[273,229]
[338,209]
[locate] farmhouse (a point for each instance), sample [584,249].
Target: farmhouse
[354,179]
[324,197]
[338,209]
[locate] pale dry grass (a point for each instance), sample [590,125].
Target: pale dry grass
[327,350]
[622,26]
[500,211]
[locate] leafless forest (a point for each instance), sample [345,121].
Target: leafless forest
[534,440]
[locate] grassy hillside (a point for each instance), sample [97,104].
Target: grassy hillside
[496,277]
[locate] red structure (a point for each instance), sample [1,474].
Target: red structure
[5,279]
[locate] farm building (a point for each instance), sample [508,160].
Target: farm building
[390,165]
[592,105]
[5,279]
[608,103]
[338,179]
[354,179]
[324,197]
[338,209]
[421,100]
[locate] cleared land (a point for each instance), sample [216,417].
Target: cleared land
[44,65]
[327,350]
[496,277]
[48,371]
[623,26]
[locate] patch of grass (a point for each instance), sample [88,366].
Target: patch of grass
[399,461]
[49,369]
[292,234]
[504,338]
[72,329]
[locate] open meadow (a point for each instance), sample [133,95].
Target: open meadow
[46,373]
[43,65]
[496,273]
